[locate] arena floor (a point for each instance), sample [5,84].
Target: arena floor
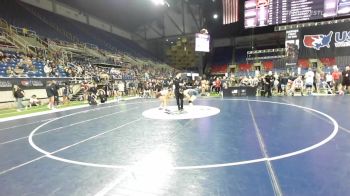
[256,146]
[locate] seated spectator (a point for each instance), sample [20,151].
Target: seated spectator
[18,71]
[10,71]
[2,57]
[34,101]
[47,70]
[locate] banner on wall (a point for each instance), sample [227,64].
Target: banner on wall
[292,47]
[29,83]
[325,41]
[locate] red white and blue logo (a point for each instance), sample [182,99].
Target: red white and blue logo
[318,41]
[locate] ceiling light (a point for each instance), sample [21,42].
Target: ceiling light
[160,2]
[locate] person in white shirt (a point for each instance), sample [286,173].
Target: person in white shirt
[34,101]
[309,81]
[329,79]
[47,70]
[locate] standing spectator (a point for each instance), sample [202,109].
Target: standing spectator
[346,79]
[336,78]
[50,95]
[85,88]
[269,80]
[217,85]
[329,81]
[66,93]
[121,88]
[18,93]
[317,80]
[309,81]
[55,89]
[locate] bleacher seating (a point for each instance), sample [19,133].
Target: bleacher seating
[22,18]
[88,34]
[37,20]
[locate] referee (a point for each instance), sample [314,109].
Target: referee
[179,92]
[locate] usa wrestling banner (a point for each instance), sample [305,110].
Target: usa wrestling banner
[325,41]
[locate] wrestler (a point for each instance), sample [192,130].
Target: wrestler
[190,95]
[164,96]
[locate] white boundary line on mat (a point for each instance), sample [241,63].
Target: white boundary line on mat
[283,156]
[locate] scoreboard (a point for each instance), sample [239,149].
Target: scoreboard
[272,12]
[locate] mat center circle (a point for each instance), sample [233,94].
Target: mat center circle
[189,112]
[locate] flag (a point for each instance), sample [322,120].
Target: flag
[230,11]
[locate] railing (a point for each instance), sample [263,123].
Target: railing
[22,31]
[3,23]
[42,42]
[17,40]
[4,36]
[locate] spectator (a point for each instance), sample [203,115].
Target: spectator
[50,95]
[217,85]
[269,81]
[309,81]
[10,72]
[34,101]
[346,79]
[47,70]
[18,93]
[55,88]
[336,78]
[66,93]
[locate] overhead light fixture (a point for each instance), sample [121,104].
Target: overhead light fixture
[215,16]
[161,2]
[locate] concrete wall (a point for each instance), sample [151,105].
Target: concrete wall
[70,13]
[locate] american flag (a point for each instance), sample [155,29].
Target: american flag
[230,11]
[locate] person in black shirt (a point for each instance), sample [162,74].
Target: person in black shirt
[93,89]
[269,79]
[140,88]
[284,84]
[92,99]
[179,90]
[18,93]
[346,79]
[66,93]
[50,95]
[102,95]
[55,88]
